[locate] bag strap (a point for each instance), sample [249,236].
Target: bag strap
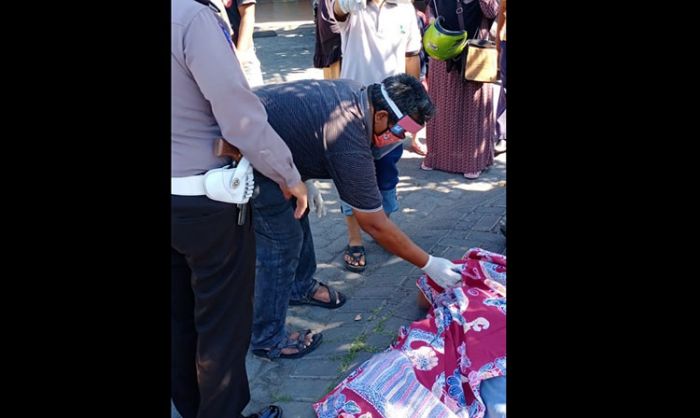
[459,15]
[460,11]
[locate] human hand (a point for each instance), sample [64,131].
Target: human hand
[443,272]
[299,191]
[315,199]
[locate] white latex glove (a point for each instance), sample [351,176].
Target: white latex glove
[443,272]
[348,6]
[315,199]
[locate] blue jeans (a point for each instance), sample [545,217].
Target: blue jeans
[387,178]
[390,204]
[173,411]
[285,265]
[493,393]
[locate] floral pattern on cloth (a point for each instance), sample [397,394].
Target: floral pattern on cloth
[436,366]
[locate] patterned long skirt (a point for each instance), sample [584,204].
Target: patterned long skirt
[460,136]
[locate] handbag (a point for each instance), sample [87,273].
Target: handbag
[481,61]
[480,56]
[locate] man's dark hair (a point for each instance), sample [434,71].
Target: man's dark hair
[409,95]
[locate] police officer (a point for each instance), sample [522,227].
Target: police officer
[213,257]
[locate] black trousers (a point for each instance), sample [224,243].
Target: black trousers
[213,275]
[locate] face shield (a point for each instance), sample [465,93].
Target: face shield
[397,132]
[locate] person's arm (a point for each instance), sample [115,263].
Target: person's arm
[413,45]
[500,32]
[390,237]
[327,22]
[210,58]
[413,66]
[245,29]
[340,15]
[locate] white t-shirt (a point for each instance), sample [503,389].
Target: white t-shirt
[375,41]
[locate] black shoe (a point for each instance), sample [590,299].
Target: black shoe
[270,411]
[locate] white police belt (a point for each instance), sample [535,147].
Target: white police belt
[187,186]
[226,184]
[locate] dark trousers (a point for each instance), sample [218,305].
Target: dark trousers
[213,276]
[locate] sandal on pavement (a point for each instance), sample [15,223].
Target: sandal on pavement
[337,299]
[299,344]
[355,253]
[270,411]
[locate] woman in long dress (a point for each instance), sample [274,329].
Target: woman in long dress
[460,136]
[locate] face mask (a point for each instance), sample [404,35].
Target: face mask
[387,137]
[397,132]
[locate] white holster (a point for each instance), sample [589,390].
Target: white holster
[226,184]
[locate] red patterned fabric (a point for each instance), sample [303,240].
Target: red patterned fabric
[436,366]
